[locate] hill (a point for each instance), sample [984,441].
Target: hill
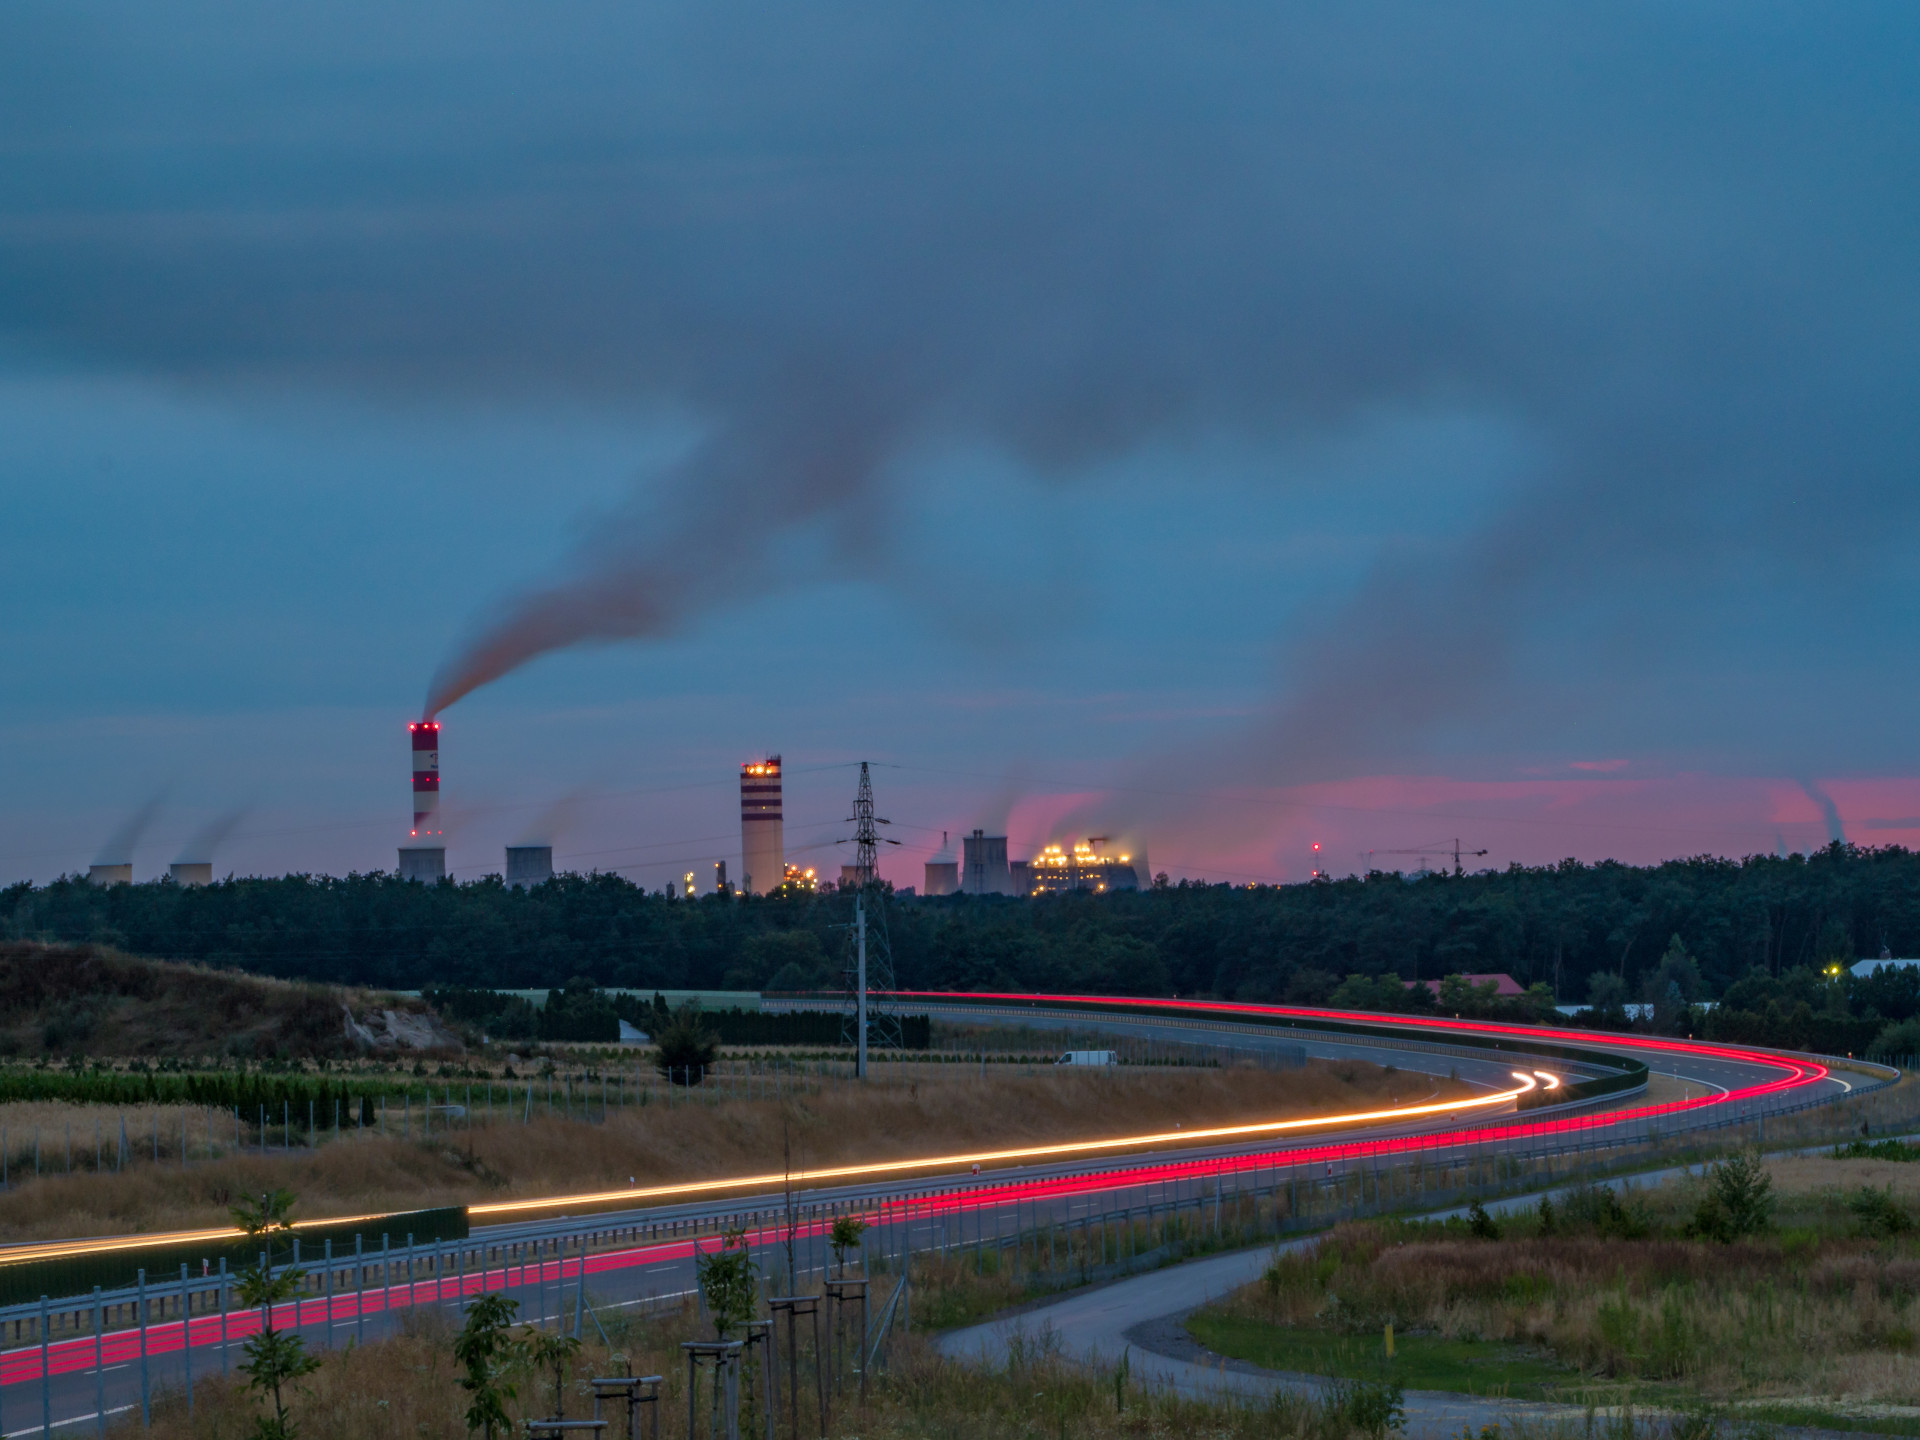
[70,1000]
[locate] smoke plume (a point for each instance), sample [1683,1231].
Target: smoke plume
[117,848]
[1658,249]
[200,845]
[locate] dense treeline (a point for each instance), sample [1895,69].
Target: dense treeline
[251,1095]
[1561,926]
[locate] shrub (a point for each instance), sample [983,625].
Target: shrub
[1738,1202]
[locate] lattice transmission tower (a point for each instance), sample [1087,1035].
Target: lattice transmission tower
[873,1019]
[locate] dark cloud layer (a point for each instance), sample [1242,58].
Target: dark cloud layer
[1671,246]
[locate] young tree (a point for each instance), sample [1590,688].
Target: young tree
[550,1350]
[485,1349]
[274,1358]
[845,1236]
[726,1282]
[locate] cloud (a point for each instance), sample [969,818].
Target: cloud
[1663,247]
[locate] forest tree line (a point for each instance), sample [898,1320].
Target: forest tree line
[1761,933]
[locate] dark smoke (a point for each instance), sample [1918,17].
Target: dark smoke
[1836,831]
[204,841]
[1664,248]
[117,848]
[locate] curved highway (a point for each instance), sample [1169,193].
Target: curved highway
[632,1246]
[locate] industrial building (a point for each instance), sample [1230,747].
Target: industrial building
[1081,865]
[983,865]
[943,871]
[763,863]
[427,862]
[529,865]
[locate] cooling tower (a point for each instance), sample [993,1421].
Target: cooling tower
[110,874]
[191,872]
[983,864]
[943,877]
[763,863]
[529,865]
[425,863]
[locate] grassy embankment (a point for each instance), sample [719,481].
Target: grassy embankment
[407,1386]
[925,1110]
[1809,1317]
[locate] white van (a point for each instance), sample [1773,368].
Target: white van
[1089,1057]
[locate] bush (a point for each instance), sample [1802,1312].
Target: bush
[1878,1213]
[1596,1209]
[1738,1202]
[686,1048]
[1373,1407]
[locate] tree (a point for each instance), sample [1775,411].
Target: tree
[684,1047]
[551,1350]
[845,1236]
[1738,1202]
[726,1282]
[485,1349]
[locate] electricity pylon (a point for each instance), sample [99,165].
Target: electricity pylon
[874,1019]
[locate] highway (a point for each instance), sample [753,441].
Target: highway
[637,1246]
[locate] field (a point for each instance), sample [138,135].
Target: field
[1803,1307]
[408,1386]
[910,1110]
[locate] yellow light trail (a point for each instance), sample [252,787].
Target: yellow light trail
[1028,1152]
[61,1249]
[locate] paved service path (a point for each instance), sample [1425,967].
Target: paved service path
[1142,1318]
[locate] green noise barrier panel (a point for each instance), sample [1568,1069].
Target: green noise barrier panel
[70,1275]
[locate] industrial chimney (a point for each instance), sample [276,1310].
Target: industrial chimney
[110,874]
[763,863]
[425,862]
[191,872]
[529,865]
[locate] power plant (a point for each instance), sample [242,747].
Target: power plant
[529,865]
[983,865]
[1082,865]
[426,863]
[191,872]
[117,874]
[943,871]
[763,863]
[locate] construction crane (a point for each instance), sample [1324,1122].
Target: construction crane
[1453,850]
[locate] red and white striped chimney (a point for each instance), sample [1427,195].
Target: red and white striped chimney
[426,777]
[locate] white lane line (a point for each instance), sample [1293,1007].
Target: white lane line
[70,1420]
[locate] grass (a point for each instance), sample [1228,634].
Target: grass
[406,1386]
[62,1001]
[921,1110]
[1420,1362]
[1813,1318]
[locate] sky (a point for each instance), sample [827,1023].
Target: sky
[1229,426]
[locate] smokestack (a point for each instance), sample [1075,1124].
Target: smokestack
[426,863]
[191,872]
[110,874]
[529,865]
[763,865]
[426,777]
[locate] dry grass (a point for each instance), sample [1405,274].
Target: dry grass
[72,1000]
[406,1387]
[1824,1305]
[923,1110]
